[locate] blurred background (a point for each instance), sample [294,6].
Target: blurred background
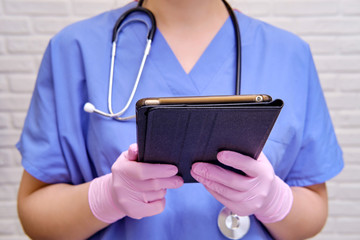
[331,27]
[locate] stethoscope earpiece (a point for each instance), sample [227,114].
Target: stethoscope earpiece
[88,107]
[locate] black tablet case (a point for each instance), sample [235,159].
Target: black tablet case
[184,134]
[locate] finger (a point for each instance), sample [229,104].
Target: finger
[143,171]
[241,209]
[224,201]
[147,209]
[133,152]
[221,189]
[223,176]
[158,184]
[155,207]
[154,195]
[226,192]
[239,161]
[146,171]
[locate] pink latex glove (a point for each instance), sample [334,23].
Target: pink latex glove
[132,188]
[261,192]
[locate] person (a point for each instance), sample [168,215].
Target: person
[81,178]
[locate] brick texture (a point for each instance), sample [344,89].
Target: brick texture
[331,27]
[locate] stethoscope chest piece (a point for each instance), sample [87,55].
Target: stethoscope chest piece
[231,225]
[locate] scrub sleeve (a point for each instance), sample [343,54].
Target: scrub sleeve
[319,154]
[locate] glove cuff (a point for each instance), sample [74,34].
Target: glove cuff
[101,201]
[280,205]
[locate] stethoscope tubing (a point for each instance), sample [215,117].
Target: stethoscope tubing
[139,8]
[238,47]
[88,107]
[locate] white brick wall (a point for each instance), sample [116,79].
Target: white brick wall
[332,27]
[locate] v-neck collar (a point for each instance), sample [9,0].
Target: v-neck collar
[206,67]
[219,50]
[214,56]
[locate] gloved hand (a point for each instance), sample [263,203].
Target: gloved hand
[261,192]
[132,188]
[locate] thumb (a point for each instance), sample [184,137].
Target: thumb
[133,152]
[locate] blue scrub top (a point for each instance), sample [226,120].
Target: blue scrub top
[61,143]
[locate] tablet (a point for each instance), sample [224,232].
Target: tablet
[185,130]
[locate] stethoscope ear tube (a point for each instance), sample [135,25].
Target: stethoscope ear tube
[238,47]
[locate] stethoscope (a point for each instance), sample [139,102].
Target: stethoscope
[88,107]
[231,225]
